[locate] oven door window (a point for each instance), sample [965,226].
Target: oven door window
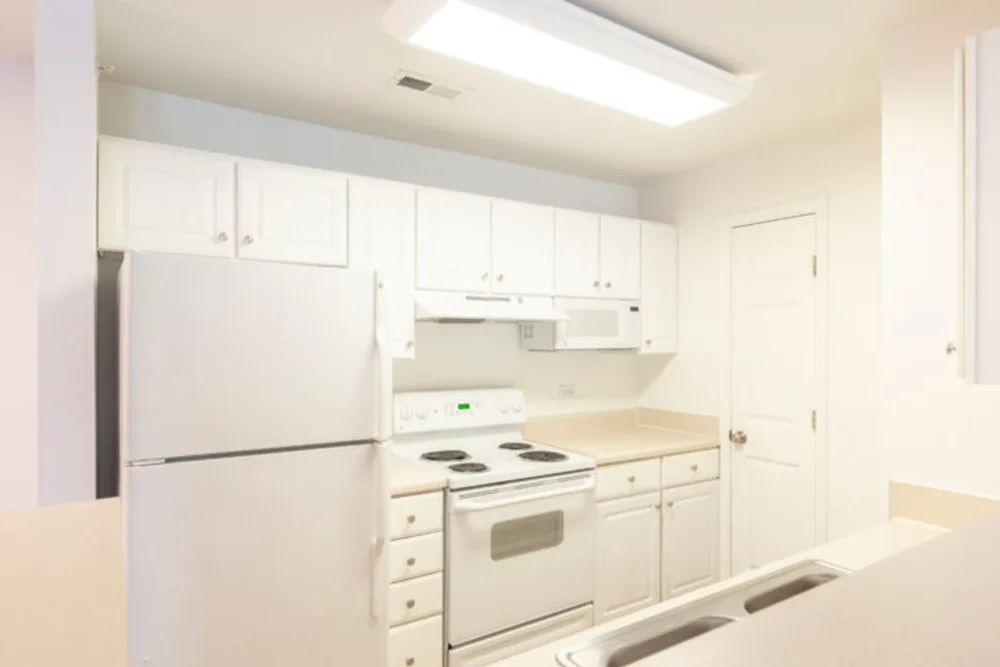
[525,535]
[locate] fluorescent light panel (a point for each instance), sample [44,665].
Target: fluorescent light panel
[565,48]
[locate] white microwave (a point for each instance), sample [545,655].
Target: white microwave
[593,324]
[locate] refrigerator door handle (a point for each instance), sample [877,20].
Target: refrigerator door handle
[380,590]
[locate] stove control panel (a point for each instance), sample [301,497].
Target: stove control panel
[427,411]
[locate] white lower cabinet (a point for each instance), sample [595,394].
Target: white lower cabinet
[690,538]
[628,556]
[419,644]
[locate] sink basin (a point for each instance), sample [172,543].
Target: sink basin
[666,639]
[785,591]
[693,621]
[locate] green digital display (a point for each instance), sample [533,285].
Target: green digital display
[463,406]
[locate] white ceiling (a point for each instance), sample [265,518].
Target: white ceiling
[328,62]
[17,26]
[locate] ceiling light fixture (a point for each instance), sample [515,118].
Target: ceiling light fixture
[558,45]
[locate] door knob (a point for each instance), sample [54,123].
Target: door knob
[738,438]
[248,240]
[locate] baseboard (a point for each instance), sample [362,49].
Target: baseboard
[948,509]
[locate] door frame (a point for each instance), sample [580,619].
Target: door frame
[819,208]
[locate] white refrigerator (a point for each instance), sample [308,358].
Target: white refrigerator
[254,411]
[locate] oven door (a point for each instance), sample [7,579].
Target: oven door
[518,552]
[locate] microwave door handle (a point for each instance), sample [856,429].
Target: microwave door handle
[473,506]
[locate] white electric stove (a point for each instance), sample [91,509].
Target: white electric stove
[474,437]
[519,527]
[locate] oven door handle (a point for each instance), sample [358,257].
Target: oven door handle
[473,506]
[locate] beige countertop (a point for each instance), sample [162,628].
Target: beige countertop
[409,477]
[933,605]
[615,437]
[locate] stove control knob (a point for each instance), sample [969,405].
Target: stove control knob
[504,408]
[405,413]
[422,413]
[517,407]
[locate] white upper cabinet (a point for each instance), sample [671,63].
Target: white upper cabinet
[160,198]
[383,224]
[292,214]
[690,538]
[620,256]
[453,241]
[577,254]
[628,556]
[523,248]
[659,288]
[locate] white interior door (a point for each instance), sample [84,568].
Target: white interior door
[774,391]
[523,248]
[292,214]
[620,256]
[453,241]
[578,254]
[256,561]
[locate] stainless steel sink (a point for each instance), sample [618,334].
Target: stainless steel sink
[653,635]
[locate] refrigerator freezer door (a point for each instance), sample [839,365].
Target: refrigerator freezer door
[220,355]
[256,561]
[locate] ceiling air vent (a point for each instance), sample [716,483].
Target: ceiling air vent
[422,84]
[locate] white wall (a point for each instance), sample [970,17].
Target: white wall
[18,290]
[937,431]
[843,169]
[448,356]
[65,216]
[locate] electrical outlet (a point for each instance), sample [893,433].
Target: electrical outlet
[567,390]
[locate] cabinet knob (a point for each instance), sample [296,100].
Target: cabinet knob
[485,275]
[381,285]
[410,604]
[222,237]
[411,519]
[648,342]
[950,348]
[694,467]
[670,503]
[597,283]
[248,240]
[410,662]
[410,562]
[608,284]
[409,345]
[631,479]
[500,278]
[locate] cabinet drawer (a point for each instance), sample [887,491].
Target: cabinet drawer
[418,644]
[626,479]
[416,556]
[416,598]
[689,468]
[416,515]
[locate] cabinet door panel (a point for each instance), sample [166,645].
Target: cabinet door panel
[620,257]
[628,556]
[453,241]
[577,254]
[165,199]
[383,225]
[690,538]
[523,248]
[292,214]
[659,288]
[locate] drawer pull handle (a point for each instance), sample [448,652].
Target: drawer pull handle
[410,604]
[631,479]
[694,467]
[410,662]
[411,519]
[410,562]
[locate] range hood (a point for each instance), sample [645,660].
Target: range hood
[455,307]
